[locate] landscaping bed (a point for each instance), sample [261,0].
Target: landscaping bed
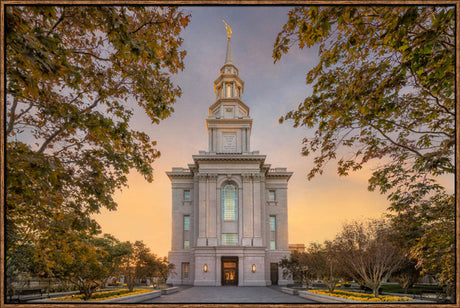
[98,296]
[362,296]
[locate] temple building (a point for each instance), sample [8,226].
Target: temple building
[229,208]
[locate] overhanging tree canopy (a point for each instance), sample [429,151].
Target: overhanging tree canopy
[384,88]
[75,76]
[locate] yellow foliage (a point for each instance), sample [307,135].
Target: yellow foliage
[80,297]
[362,296]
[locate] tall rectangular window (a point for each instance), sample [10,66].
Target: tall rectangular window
[230,239]
[185,268]
[186,223]
[186,195]
[272,232]
[272,223]
[186,232]
[271,195]
[229,202]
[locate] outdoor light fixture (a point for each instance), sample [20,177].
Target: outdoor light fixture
[205,268]
[253,268]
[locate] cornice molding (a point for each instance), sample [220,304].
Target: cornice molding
[229,157]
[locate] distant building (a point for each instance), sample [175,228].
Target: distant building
[297,247]
[229,208]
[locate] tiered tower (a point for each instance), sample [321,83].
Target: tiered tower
[229,208]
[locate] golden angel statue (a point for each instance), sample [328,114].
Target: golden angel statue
[229,30]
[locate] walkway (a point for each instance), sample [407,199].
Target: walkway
[254,295]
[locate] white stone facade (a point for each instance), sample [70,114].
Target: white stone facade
[229,208]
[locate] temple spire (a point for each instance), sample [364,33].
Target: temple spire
[228,56]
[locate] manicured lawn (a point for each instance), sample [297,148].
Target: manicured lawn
[416,289]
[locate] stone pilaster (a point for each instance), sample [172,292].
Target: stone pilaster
[248,195]
[214,140]
[244,149]
[257,214]
[201,241]
[212,211]
[210,142]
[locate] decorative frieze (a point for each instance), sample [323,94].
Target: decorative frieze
[212,177]
[246,177]
[202,177]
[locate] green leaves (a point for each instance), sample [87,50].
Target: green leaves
[383,89]
[75,75]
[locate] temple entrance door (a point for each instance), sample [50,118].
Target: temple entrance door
[229,271]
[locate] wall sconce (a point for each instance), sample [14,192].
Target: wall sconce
[253,268]
[205,268]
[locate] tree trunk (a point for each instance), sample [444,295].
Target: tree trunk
[131,285]
[405,283]
[375,290]
[87,293]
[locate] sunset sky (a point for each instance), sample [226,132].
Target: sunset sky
[316,208]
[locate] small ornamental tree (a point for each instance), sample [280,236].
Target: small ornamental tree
[327,264]
[407,274]
[299,266]
[367,253]
[138,263]
[115,250]
[165,269]
[71,256]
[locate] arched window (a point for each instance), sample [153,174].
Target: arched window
[229,202]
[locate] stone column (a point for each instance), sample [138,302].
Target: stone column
[240,215]
[214,140]
[282,236]
[257,211]
[210,139]
[263,211]
[218,213]
[202,211]
[247,222]
[196,208]
[248,140]
[212,210]
[218,272]
[243,138]
[176,223]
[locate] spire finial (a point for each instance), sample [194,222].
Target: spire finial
[229,30]
[228,56]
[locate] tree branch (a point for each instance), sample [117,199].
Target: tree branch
[88,54]
[10,124]
[57,22]
[61,129]
[395,143]
[414,131]
[414,76]
[150,22]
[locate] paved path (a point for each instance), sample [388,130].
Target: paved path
[229,294]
